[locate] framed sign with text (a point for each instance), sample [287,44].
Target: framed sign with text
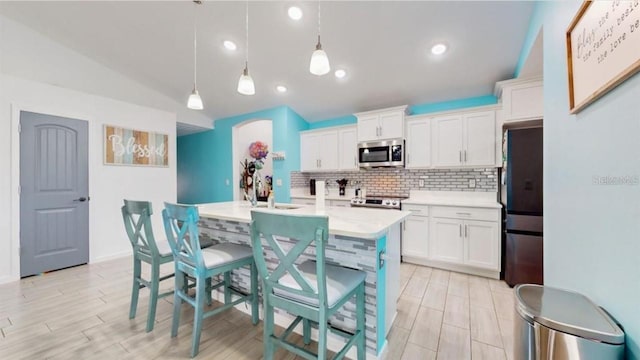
[603,49]
[135,147]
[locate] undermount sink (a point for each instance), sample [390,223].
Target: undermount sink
[279,206]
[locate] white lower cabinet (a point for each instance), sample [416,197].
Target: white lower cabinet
[415,234]
[465,238]
[482,244]
[447,243]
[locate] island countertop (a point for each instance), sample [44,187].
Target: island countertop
[362,223]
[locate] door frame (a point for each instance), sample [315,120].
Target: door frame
[14,226]
[235,160]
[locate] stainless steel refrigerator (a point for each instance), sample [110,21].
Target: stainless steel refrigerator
[523,237]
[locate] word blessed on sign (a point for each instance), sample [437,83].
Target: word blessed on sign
[134,147]
[603,48]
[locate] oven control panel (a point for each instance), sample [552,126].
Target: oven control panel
[386,203]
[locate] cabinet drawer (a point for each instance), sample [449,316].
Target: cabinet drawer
[418,210]
[465,213]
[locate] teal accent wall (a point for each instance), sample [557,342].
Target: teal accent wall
[591,226]
[339,121]
[452,104]
[381,291]
[535,25]
[204,159]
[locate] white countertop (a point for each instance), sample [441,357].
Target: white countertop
[303,193]
[454,198]
[355,222]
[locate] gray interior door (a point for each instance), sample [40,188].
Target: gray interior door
[54,193]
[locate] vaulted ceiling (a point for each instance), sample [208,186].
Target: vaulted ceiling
[383,46]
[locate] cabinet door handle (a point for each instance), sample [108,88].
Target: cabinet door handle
[380,130]
[465,231]
[460,226]
[463,213]
[320,162]
[460,155]
[408,158]
[465,156]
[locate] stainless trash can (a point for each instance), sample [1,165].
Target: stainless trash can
[557,324]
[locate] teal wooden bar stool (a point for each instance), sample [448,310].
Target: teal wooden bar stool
[137,222]
[312,291]
[181,226]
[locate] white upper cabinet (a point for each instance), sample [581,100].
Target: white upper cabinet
[418,143]
[319,151]
[522,99]
[479,139]
[348,148]
[381,124]
[463,140]
[329,150]
[447,141]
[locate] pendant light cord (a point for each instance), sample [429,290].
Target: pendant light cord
[195,47]
[318,20]
[246,20]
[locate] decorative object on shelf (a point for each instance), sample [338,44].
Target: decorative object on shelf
[603,49]
[135,147]
[342,184]
[195,101]
[278,155]
[319,64]
[245,83]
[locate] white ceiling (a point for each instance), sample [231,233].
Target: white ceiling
[384,46]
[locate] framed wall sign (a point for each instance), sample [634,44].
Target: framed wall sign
[603,49]
[135,147]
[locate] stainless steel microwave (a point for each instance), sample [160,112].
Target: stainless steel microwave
[386,153]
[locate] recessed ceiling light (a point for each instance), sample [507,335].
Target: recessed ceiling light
[295,13]
[229,45]
[281,89]
[438,49]
[340,73]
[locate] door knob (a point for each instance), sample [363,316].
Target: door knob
[81,199]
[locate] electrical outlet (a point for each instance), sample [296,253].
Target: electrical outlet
[472,183]
[278,182]
[421,183]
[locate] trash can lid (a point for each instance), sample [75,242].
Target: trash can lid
[568,312]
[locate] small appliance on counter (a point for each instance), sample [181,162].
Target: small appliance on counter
[312,187]
[342,185]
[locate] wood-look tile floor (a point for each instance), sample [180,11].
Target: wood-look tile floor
[82,313]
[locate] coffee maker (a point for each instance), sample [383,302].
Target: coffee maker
[312,187]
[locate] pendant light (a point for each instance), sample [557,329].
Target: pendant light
[195,102]
[319,64]
[245,83]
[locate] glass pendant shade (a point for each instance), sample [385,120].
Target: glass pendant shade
[245,84]
[195,102]
[319,64]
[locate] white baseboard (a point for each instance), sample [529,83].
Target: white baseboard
[453,267]
[8,279]
[334,342]
[100,259]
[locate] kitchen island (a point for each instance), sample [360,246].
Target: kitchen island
[363,239]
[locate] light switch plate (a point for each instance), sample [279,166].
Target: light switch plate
[472,183]
[278,182]
[421,183]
